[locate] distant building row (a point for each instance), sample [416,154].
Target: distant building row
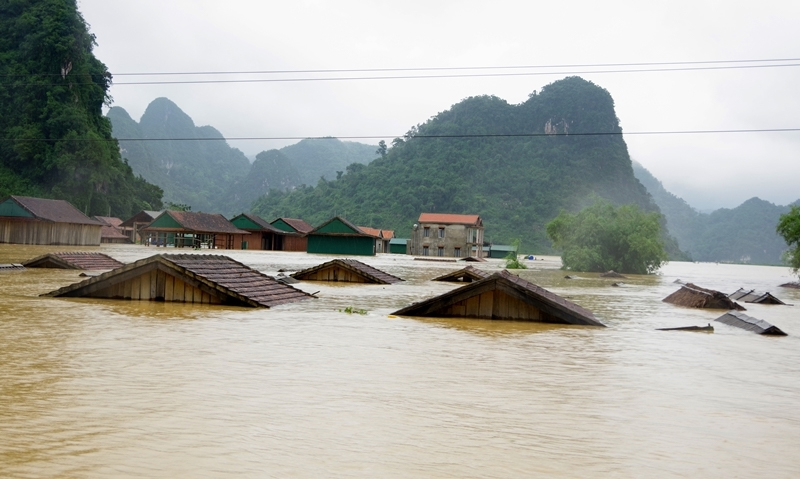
[26,220]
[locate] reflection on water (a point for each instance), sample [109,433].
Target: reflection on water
[93,388]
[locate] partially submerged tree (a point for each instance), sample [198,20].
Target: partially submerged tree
[789,228]
[602,237]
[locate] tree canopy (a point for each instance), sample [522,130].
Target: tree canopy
[602,237]
[789,228]
[55,142]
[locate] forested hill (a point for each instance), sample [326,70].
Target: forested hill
[196,167]
[515,165]
[745,234]
[55,141]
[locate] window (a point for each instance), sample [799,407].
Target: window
[457,252]
[424,251]
[441,251]
[441,232]
[426,232]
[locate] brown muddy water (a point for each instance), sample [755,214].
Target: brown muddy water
[107,389]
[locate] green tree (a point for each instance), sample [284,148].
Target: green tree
[789,228]
[602,237]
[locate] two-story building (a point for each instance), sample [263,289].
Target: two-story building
[447,235]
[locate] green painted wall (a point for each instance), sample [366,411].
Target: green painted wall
[10,208]
[283,226]
[350,245]
[245,223]
[336,226]
[165,221]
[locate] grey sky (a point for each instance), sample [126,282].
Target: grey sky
[708,170]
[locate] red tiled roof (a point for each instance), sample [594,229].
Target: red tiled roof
[443,218]
[387,234]
[371,231]
[57,211]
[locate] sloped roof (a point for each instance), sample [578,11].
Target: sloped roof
[299,225]
[264,224]
[693,296]
[230,281]
[365,271]
[371,231]
[748,323]
[356,231]
[542,305]
[112,232]
[611,274]
[751,296]
[57,211]
[109,220]
[200,222]
[144,216]
[74,260]
[387,234]
[443,218]
[465,274]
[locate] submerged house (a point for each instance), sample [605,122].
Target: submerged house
[339,236]
[28,220]
[467,274]
[132,225]
[455,236]
[398,246]
[187,278]
[74,260]
[296,230]
[749,323]
[264,236]
[111,231]
[693,296]
[502,250]
[187,229]
[347,271]
[503,296]
[751,296]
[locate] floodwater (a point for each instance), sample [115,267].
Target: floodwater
[106,389]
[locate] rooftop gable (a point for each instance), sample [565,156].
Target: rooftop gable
[74,260]
[195,222]
[247,221]
[346,270]
[56,211]
[338,226]
[292,225]
[465,275]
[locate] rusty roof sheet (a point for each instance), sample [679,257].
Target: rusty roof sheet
[230,280]
[366,271]
[57,211]
[442,218]
[74,260]
[555,306]
[299,225]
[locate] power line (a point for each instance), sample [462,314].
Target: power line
[377,137]
[415,77]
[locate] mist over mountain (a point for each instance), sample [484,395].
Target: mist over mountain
[745,234]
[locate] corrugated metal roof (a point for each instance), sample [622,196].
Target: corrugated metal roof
[748,323]
[203,222]
[57,211]
[229,280]
[366,271]
[74,260]
[443,218]
[751,296]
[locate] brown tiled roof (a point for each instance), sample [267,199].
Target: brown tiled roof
[299,225]
[466,274]
[74,260]
[112,232]
[109,220]
[556,308]
[57,211]
[373,275]
[693,296]
[262,223]
[230,281]
[204,222]
[442,218]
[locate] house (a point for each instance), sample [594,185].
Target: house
[503,296]
[398,245]
[339,236]
[752,296]
[187,229]
[265,236]
[456,236]
[466,274]
[132,225]
[186,278]
[346,271]
[111,232]
[298,230]
[749,323]
[27,220]
[693,296]
[501,250]
[74,260]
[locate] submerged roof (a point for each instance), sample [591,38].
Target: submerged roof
[751,296]
[741,320]
[219,277]
[612,274]
[503,296]
[74,260]
[57,211]
[465,274]
[473,220]
[194,221]
[694,296]
[333,271]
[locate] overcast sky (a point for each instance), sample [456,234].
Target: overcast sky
[707,170]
